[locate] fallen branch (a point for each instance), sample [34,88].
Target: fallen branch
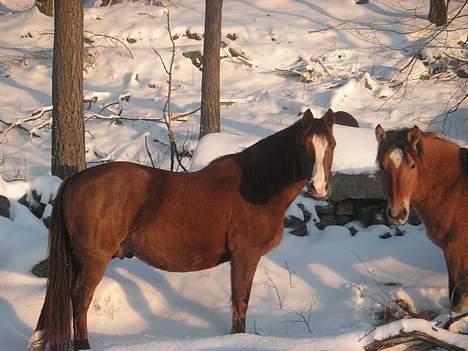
[114,118]
[404,337]
[19,123]
[453,320]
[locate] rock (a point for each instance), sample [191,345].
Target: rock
[325,221]
[385,235]
[46,221]
[300,230]
[353,231]
[326,210]
[344,208]
[369,214]
[398,232]
[4,206]
[40,269]
[342,219]
[307,215]
[413,218]
[355,186]
[292,221]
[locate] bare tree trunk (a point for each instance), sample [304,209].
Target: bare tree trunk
[46,7]
[68,142]
[210,105]
[438,12]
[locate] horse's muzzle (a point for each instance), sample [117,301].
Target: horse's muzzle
[319,193]
[398,216]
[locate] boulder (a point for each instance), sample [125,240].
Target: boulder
[355,186]
[4,206]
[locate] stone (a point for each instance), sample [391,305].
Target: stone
[399,232]
[325,221]
[300,230]
[342,219]
[385,235]
[40,269]
[306,213]
[369,214]
[353,231]
[413,218]
[292,221]
[4,206]
[344,208]
[355,186]
[326,210]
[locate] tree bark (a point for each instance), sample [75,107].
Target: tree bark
[68,141]
[438,12]
[210,104]
[46,7]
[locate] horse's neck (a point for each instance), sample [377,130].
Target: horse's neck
[439,180]
[286,196]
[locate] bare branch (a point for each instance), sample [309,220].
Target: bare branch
[404,337]
[113,38]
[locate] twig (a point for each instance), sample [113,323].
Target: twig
[114,118]
[148,152]
[453,320]
[19,123]
[403,337]
[180,117]
[113,38]
[280,300]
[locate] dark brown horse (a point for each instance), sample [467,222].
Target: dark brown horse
[232,210]
[431,174]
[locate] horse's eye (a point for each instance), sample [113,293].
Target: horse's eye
[413,166]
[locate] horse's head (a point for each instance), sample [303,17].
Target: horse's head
[319,143]
[398,154]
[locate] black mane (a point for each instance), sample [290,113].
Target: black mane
[271,164]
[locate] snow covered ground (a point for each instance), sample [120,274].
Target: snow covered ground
[325,291]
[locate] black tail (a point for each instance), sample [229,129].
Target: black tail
[54,325]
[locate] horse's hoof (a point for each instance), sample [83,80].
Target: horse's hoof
[81,345]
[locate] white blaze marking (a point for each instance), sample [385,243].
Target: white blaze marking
[318,173]
[396,156]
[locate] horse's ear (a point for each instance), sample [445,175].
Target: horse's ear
[329,118]
[414,136]
[308,116]
[307,121]
[380,133]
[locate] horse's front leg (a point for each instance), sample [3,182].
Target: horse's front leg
[243,268]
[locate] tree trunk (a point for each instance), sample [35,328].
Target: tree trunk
[210,105]
[46,7]
[438,12]
[68,141]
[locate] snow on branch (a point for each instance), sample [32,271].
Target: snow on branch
[414,331]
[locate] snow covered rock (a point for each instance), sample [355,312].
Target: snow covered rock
[4,206]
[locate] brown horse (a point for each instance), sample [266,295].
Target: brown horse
[232,210]
[431,174]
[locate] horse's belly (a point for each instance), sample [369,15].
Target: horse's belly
[181,251]
[178,261]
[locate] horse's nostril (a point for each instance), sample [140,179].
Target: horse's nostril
[403,212]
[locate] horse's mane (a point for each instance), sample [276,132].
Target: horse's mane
[272,163]
[397,139]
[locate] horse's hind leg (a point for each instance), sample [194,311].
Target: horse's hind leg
[242,273]
[90,271]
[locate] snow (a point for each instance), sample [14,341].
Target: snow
[297,55]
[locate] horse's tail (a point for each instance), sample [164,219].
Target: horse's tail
[54,324]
